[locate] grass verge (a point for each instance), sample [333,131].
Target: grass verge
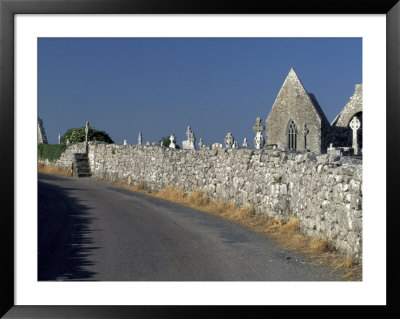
[53,170]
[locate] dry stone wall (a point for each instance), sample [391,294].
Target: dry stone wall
[323,191]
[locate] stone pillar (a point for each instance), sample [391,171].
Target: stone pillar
[355,124]
[59,138]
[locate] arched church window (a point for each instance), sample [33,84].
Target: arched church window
[292,135]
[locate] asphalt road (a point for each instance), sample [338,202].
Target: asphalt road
[89,230]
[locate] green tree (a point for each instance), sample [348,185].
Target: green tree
[76,135]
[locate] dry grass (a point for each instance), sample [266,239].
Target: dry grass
[53,170]
[284,233]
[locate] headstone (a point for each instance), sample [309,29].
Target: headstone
[140,138]
[153,143]
[68,141]
[235,145]
[162,143]
[245,143]
[229,140]
[189,144]
[258,128]
[172,140]
[147,143]
[124,142]
[201,143]
[355,124]
[333,150]
[216,146]
[59,138]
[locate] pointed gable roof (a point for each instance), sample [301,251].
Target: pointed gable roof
[293,80]
[353,106]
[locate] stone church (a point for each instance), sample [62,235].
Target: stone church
[296,120]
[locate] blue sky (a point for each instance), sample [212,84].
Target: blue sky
[159,86]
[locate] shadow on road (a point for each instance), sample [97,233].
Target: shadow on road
[64,241]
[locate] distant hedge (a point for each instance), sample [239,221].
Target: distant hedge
[51,152]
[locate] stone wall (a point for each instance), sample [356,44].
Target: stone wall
[323,191]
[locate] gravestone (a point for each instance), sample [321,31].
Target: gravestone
[258,128]
[216,146]
[140,138]
[189,144]
[229,140]
[172,140]
[355,124]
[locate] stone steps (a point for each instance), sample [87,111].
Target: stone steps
[81,167]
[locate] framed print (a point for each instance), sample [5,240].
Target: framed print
[33,34]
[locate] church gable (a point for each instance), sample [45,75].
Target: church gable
[353,107]
[296,108]
[41,135]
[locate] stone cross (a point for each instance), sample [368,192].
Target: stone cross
[245,142]
[258,128]
[87,136]
[87,132]
[140,138]
[172,140]
[355,124]
[305,132]
[229,140]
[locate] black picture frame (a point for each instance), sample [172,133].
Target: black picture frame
[8,8]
